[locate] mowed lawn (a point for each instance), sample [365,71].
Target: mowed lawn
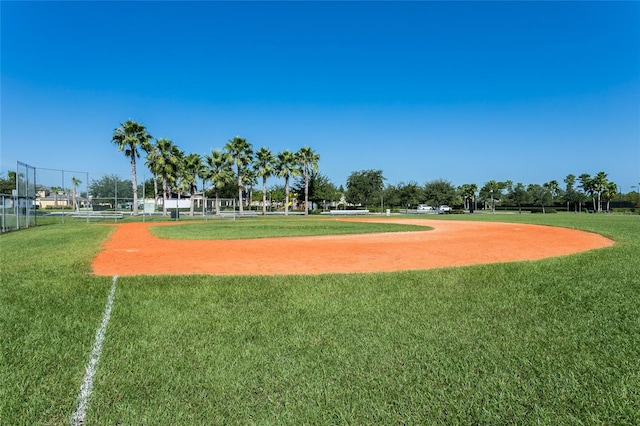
[552,342]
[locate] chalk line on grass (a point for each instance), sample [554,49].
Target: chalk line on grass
[87,384]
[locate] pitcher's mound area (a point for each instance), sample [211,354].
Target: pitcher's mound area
[132,250]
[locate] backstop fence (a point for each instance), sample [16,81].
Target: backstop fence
[19,207]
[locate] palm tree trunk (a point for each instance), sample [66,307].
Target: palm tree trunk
[155,192]
[264,196]
[164,194]
[239,189]
[134,184]
[286,192]
[306,190]
[191,201]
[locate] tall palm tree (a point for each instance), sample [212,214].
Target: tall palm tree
[587,185]
[192,169]
[468,191]
[554,189]
[152,163]
[241,152]
[610,191]
[219,170]
[131,137]
[493,189]
[264,166]
[600,182]
[308,160]
[569,193]
[168,165]
[287,167]
[75,182]
[249,179]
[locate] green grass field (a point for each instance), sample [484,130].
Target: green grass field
[552,342]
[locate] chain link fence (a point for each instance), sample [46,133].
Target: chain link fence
[19,207]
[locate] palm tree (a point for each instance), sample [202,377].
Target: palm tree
[493,189]
[75,182]
[587,185]
[554,189]
[130,137]
[192,169]
[168,165]
[569,192]
[308,161]
[249,179]
[152,163]
[219,171]
[468,191]
[264,166]
[241,152]
[287,167]
[600,182]
[610,191]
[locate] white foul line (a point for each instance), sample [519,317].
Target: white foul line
[87,384]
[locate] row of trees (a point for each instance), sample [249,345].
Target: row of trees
[236,162]
[367,187]
[238,165]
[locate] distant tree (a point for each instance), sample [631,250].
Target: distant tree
[540,195]
[492,190]
[600,183]
[363,186]
[107,187]
[403,194]
[8,184]
[570,194]
[241,152]
[410,194]
[439,192]
[264,165]
[320,189]
[518,195]
[277,193]
[249,180]
[153,163]
[192,169]
[169,162]
[287,167]
[75,182]
[554,189]
[131,137]
[610,191]
[308,161]
[391,195]
[587,185]
[468,192]
[219,171]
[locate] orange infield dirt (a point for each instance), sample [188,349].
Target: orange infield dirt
[132,250]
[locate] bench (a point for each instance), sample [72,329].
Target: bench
[250,213]
[348,212]
[97,215]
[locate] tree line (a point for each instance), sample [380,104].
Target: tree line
[237,162]
[237,167]
[584,191]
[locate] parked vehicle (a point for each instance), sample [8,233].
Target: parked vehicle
[445,209]
[425,208]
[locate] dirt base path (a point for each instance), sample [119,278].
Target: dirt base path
[132,250]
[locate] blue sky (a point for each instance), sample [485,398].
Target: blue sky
[467,92]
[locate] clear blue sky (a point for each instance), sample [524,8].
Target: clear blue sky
[467,92]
